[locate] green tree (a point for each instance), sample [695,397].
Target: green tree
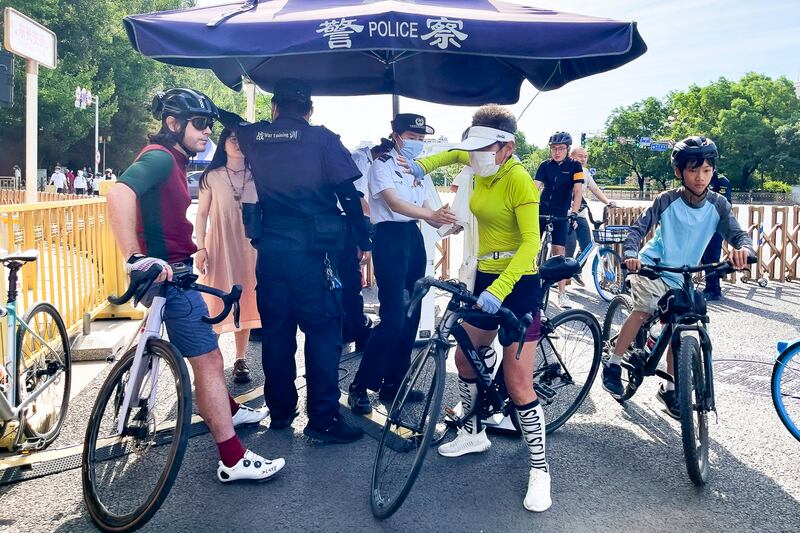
[751,121]
[648,118]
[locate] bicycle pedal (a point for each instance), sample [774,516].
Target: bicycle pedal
[544,390]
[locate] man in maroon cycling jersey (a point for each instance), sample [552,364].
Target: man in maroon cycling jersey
[153,192]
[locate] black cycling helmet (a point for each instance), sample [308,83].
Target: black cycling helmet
[693,148]
[184,103]
[560,137]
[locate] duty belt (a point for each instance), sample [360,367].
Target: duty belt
[496,255]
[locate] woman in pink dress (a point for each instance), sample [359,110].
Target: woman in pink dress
[225,256]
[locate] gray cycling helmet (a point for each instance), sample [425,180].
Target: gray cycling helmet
[184,103]
[695,147]
[560,137]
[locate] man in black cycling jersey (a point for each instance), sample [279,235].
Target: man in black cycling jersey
[148,207]
[560,179]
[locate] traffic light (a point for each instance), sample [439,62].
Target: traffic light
[583,139]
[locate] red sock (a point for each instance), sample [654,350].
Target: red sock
[230,451]
[233,404]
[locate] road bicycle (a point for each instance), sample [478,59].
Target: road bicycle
[567,360]
[607,264]
[785,385]
[35,379]
[139,425]
[684,317]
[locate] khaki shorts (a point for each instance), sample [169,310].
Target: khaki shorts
[646,293]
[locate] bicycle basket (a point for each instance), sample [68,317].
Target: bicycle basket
[611,234]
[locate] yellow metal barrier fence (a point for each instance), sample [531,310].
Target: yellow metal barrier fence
[79,263]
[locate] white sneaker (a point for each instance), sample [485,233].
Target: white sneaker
[252,466]
[537,498]
[564,301]
[465,443]
[246,416]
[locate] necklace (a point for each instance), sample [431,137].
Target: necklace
[237,194]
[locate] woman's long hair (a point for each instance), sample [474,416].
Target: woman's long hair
[220,158]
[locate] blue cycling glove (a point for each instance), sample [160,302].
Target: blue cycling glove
[416,169]
[489,303]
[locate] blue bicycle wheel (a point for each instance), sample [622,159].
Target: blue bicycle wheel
[607,273]
[786,387]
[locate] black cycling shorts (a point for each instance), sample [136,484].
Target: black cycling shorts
[560,229]
[524,298]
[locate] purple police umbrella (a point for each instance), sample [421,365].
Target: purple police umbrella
[461,52]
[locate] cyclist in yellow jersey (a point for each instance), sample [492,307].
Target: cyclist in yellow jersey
[505,203]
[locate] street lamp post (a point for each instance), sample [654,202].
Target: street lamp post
[104,139]
[83,97]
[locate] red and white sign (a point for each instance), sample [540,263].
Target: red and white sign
[29,39]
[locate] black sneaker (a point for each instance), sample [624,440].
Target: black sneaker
[667,397]
[578,279]
[712,296]
[358,399]
[337,432]
[387,395]
[612,380]
[277,422]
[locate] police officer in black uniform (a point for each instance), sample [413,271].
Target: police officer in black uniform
[721,185]
[300,170]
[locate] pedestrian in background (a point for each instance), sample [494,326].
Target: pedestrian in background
[59,180]
[80,183]
[225,256]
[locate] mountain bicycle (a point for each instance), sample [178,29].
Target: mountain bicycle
[568,357]
[683,313]
[785,385]
[139,425]
[35,379]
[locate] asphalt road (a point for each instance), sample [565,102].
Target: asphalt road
[614,468]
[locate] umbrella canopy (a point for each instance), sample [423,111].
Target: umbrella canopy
[462,52]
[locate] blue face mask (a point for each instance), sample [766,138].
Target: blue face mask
[411,148]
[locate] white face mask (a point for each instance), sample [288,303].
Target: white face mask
[483,163]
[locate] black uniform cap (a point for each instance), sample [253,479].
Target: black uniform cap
[291,90]
[411,122]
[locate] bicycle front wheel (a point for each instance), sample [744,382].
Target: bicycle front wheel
[408,431]
[618,311]
[43,354]
[567,360]
[607,273]
[786,389]
[694,420]
[127,475]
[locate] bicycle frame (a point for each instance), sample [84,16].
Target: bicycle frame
[138,372]
[671,336]
[9,410]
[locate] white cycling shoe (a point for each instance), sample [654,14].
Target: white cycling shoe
[250,467]
[538,498]
[246,416]
[465,443]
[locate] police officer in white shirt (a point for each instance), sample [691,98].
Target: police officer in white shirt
[397,202]
[357,326]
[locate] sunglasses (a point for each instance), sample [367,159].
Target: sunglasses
[201,123]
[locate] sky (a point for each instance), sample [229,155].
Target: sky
[689,42]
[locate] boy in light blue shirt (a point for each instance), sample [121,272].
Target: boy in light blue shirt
[685,220]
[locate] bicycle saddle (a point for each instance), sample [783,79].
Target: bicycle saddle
[20,257]
[557,268]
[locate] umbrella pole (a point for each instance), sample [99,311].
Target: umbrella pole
[395,105]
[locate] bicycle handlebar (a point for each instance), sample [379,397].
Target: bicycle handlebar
[141,281]
[721,268]
[512,328]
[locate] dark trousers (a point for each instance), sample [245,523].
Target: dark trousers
[355,323]
[582,234]
[292,291]
[711,255]
[398,253]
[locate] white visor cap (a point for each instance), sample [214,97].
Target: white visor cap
[482,136]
